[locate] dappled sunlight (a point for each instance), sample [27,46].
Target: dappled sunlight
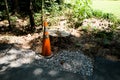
[67,66]
[38,71]
[15,64]
[4,60]
[53,73]
[77,63]
[75,33]
[17,57]
[4,23]
[96,24]
[22,22]
[78,35]
[67,61]
[25,42]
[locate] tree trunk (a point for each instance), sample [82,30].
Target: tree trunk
[7,12]
[32,23]
[42,12]
[60,2]
[15,6]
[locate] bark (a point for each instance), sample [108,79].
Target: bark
[7,12]
[32,23]
[42,12]
[15,6]
[60,2]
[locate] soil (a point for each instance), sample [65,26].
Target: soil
[80,39]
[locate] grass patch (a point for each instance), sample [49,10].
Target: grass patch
[107,6]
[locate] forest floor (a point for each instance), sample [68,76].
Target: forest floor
[91,43]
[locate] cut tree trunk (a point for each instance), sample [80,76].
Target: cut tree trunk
[59,38]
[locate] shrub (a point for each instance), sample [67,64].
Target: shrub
[82,9]
[37,17]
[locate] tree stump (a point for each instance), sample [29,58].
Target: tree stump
[59,38]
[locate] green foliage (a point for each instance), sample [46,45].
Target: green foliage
[97,13]
[3,14]
[82,9]
[2,10]
[37,5]
[37,17]
[13,18]
[109,16]
[0,13]
[54,9]
[104,37]
[1,4]
[54,21]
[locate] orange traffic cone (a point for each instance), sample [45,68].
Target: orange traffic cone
[46,47]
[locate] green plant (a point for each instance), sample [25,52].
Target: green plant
[108,16]
[82,9]
[107,6]
[37,17]
[37,5]
[13,18]
[104,35]
[97,13]
[54,9]
[53,21]
[3,14]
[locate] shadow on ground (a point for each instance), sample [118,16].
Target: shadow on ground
[103,70]
[18,31]
[106,69]
[37,73]
[4,47]
[29,70]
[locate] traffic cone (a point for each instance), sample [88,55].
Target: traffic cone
[46,47]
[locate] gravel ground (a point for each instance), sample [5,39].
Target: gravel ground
[16,63]
[71,61]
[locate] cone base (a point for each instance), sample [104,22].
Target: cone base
[48,57]
[46,49]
